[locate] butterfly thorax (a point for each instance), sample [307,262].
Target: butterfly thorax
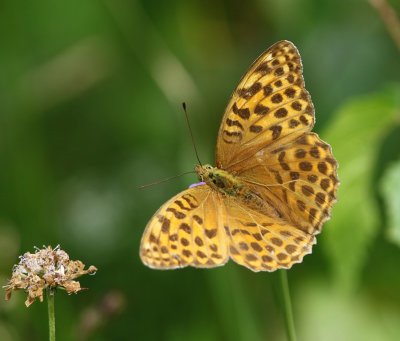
[230,185]
[220,180]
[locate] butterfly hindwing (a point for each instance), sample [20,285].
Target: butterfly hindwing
[299,179]
[262,243]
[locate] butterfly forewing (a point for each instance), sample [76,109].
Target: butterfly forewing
[186,230]
[270,106]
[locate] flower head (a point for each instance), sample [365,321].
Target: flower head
[47,268]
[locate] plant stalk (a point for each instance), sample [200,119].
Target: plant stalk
[287,306]
[52,318]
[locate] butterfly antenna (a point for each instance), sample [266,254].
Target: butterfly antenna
[164,180]
[190,131]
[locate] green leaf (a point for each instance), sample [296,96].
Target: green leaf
[390,189]
[355,136]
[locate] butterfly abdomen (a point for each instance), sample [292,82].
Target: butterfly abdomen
[229,185]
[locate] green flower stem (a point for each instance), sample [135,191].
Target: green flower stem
[52,318]
[287,306]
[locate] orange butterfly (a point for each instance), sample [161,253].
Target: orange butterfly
[272,189]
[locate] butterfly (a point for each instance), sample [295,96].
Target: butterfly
[273,186]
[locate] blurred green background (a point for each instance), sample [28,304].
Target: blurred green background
[90,108]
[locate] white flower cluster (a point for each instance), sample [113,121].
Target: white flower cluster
[48,269]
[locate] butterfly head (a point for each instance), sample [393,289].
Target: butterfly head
[204,172]
[216,178]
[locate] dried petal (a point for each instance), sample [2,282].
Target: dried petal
[47,268]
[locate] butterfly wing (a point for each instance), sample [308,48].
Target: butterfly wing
[265,140]
[270,106]
[186,231]
[299,179]
[202,228]
[262,243]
